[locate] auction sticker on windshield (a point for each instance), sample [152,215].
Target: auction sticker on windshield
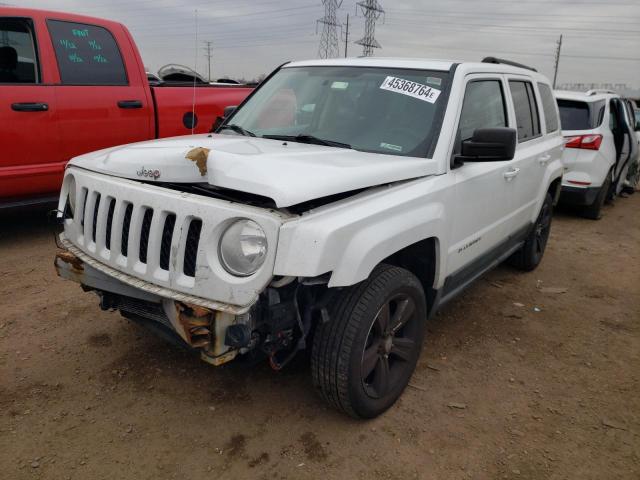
[412,89]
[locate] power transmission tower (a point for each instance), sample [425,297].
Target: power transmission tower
[555,70]
[346,38]
[329,38]
[372,11]
[209,54]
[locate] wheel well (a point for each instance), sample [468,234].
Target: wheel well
[420,259]
[554,189]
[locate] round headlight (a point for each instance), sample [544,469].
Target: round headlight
[243,248]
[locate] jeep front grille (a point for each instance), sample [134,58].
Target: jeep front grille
[164,238]
[139,228]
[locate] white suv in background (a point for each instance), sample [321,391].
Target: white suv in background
[600,146]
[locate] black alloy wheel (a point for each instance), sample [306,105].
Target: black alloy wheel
[363,357]
[390,345]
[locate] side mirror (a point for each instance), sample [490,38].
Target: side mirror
[490,145]
[229,110]
[220,119]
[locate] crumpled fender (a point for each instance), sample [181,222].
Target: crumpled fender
[350,238]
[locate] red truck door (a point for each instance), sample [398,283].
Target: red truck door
[30,158]
[103,100]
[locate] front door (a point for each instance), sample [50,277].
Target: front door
[31,163]
[481,203]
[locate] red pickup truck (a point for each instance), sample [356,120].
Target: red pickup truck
[71,84]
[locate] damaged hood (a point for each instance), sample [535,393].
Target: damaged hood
[287,172]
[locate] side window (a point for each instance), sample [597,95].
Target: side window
[524,103]
[86,54]
[483,107]
[18,59]
[549,107]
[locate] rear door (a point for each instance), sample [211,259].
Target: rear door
[481,203]
[102,99]
[531,155]
[31,163]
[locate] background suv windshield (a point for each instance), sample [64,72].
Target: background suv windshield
[391,111]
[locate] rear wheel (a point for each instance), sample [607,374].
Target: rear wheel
[363,358]
[530,255]
[594,211]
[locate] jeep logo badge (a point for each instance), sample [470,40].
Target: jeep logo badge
[143,172]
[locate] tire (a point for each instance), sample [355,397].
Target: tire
[594,211]
[530,255]
[377,325]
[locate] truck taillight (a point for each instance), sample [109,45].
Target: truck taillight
[586,142]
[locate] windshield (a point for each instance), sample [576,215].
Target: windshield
[390,111]
[577,115]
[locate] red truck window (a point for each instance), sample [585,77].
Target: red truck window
[18,59]
[86,54]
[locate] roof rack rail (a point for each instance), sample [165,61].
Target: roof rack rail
[595,91]
[506,62]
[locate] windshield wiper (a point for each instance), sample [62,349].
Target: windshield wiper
[238,129]
[304,138]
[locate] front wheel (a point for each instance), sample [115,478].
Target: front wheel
[530,255]
[363,357]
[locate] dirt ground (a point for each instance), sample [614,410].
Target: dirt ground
[525,376]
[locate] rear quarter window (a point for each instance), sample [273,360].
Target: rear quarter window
[86,54]
[548,107]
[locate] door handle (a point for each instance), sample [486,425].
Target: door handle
[544,159]
[509,174]
[130,104]
[29,107]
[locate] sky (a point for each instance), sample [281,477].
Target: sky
[601,38]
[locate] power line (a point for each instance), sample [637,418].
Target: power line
[493,14]
[329,38]
[372,11]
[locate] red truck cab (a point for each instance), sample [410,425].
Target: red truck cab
[71,84]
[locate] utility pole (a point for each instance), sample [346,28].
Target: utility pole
[372,11]
[208,55]
[329,47]
[346,37]
[555,70]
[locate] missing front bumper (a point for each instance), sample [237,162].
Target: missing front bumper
[200,327]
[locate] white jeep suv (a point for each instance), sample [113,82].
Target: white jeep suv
[336,209]
[600,147]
